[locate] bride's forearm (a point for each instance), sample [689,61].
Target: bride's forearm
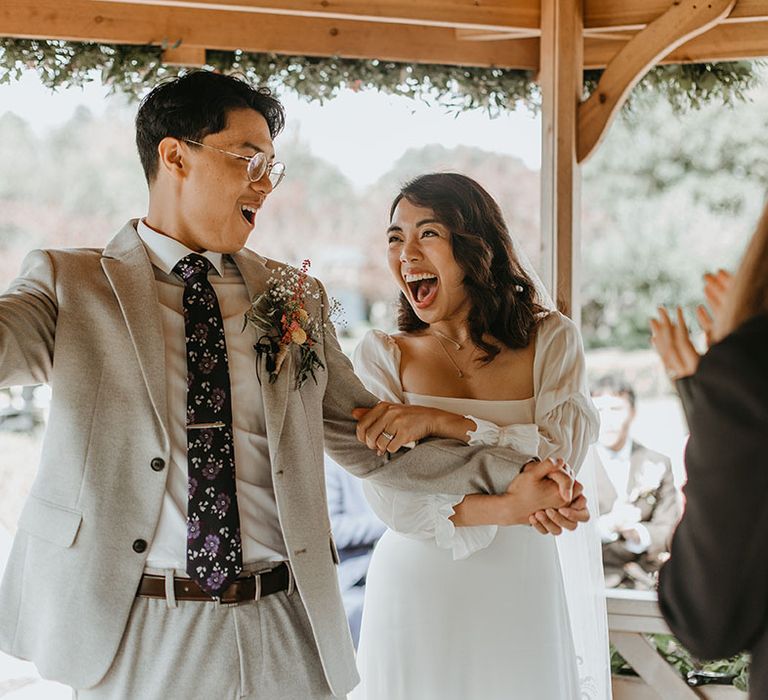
[453,425]
[482,509]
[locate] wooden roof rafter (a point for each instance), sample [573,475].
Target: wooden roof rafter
[466,32]
[119,22]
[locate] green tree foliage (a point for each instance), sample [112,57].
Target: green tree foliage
[666,198]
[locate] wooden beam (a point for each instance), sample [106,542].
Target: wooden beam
[561,81]
[725,42]
[456,14]
[683,20]
[610,15]
[600,15]
[494,35]
[192,56]
[652,667]
[131,23]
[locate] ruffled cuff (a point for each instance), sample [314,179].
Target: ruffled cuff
[462,541]
[524,436]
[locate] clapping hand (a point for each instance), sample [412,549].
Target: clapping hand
[673,344]
[716,287]
[671,337]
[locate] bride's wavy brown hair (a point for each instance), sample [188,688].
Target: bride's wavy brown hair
[503,298]
[749,295]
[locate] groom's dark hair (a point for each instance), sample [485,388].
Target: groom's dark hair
[194,105]
[503,298]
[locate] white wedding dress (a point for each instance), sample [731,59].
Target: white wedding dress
[475,613]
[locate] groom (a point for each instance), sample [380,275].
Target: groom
[138,570]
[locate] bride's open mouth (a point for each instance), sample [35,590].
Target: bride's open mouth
[422,287]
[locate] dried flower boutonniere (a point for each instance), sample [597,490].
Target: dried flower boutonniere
[280,318]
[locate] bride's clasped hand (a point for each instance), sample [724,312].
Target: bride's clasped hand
[545,494]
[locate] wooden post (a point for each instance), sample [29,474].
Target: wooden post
[561,81]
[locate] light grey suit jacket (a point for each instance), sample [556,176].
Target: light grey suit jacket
[87,322]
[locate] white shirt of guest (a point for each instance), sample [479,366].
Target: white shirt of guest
[260,528]
[617,464]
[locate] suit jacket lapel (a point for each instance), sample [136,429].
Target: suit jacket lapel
[256,274]
[636,461]
[129,271]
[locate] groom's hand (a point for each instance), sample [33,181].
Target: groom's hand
[532,490]
[562,475]
[573,510]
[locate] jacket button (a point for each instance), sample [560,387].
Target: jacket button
[157,464]
[139,546]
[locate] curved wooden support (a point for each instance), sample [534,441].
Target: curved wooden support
[684,20]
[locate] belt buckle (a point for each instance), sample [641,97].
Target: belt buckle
[231,601]
[227,602]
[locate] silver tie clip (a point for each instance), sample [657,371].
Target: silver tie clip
[204,426]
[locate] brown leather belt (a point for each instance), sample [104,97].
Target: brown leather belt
[246,588]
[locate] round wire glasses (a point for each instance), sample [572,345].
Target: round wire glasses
[258,164]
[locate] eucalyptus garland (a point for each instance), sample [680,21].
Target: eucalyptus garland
[131,70]
[692,85]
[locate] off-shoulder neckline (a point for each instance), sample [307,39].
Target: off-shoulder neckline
[466,399]
[390,340]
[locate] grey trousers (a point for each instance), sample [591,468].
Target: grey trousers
[261,650]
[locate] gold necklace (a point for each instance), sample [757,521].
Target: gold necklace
[452,341]
[438,337]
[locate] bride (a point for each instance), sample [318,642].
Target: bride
[463,601]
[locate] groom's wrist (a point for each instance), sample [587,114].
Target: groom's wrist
[533,460]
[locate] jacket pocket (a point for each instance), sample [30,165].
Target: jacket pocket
[50,522]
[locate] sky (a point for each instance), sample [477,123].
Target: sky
[363,133]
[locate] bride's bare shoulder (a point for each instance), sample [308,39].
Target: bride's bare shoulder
[408,340]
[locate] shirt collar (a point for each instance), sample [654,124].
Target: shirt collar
[164,252]
[620,455]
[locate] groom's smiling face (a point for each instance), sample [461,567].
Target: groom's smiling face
[216,204]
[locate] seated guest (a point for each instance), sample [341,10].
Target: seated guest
[713,591]
[355,530]
[638,502]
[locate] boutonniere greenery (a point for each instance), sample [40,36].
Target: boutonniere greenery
[282,322]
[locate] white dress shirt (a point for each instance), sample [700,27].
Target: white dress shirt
[617,464]
[259,525]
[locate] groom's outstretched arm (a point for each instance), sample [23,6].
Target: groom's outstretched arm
[28,313]
[433,466]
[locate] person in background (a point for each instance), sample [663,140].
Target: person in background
[713,591]
[356,529]
[638,502]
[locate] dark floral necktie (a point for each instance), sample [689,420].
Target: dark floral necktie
[214,549]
